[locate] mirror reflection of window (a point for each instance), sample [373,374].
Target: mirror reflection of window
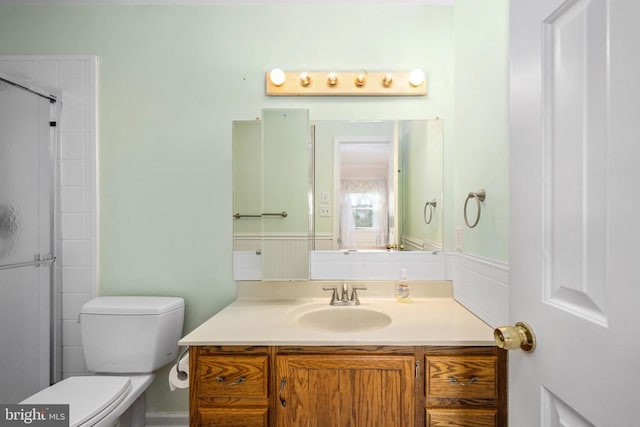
[364,213]
[362,208]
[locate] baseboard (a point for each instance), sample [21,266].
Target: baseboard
[167,419]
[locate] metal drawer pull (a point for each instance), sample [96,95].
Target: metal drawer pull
[454,380]
[283,402]
[240,380]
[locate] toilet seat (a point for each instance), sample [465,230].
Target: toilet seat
[90,398]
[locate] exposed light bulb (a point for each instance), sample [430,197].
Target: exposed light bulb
[332,79]
[387,80]
[416,77]
[361,80]
[277,77]
[305,79]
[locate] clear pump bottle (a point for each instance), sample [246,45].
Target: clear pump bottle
[402,289]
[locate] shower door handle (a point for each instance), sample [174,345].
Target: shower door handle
[39,261]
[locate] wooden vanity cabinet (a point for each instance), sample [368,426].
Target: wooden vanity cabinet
[466,386]
[347,386]
[345,390]
[229,386]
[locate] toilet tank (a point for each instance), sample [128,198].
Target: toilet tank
[130,334]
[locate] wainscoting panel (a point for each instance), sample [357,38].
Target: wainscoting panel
[376,265]
[481,285]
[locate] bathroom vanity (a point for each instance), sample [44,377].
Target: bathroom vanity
[299,361]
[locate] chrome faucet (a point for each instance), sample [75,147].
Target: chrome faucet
[345,293]
[344,299]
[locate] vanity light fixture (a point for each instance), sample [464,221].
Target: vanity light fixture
[277,77]
[345,83]
[332,79]
[416,77]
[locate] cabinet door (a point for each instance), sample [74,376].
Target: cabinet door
[345,391]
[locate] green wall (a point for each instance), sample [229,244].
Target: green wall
[480,154]
[422,175]
[171,81]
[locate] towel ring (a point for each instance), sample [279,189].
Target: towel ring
[479,196]
[431,205]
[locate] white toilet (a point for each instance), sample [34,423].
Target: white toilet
[125,339]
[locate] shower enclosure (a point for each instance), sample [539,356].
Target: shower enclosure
[28,140]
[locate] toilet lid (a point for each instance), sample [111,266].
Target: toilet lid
[89,397]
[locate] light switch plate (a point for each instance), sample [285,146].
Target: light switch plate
[324,197]
[459,238]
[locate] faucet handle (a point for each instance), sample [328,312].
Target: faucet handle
[354,293]
[334,296]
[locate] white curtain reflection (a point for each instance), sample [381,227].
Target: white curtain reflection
[363,213]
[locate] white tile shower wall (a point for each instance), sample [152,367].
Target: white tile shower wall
[481,285]
[76,214]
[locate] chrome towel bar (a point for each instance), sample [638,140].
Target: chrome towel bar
[237,215]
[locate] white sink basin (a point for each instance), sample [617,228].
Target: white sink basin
[343,319]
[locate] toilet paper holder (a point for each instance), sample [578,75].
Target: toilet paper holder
[182,375]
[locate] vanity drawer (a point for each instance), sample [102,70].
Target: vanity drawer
[462,417]
[234,417]
[233,376]
[461,377]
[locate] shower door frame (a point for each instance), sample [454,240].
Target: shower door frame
[54,98]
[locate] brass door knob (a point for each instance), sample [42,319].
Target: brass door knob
[513,337]
[395,246]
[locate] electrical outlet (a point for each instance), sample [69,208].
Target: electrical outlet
[459,238]
[324,210]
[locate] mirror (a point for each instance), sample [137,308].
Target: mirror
[271,168]
[301,186]
[422,143]
[378,185]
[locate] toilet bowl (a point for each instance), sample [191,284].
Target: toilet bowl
[125,339]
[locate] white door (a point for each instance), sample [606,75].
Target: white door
[575,211]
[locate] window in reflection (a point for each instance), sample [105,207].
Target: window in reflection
[364,214]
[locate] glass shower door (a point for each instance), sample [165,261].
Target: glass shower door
[26,241]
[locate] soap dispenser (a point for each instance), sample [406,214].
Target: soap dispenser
[402,289]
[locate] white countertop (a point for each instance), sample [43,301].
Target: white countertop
[426,320]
